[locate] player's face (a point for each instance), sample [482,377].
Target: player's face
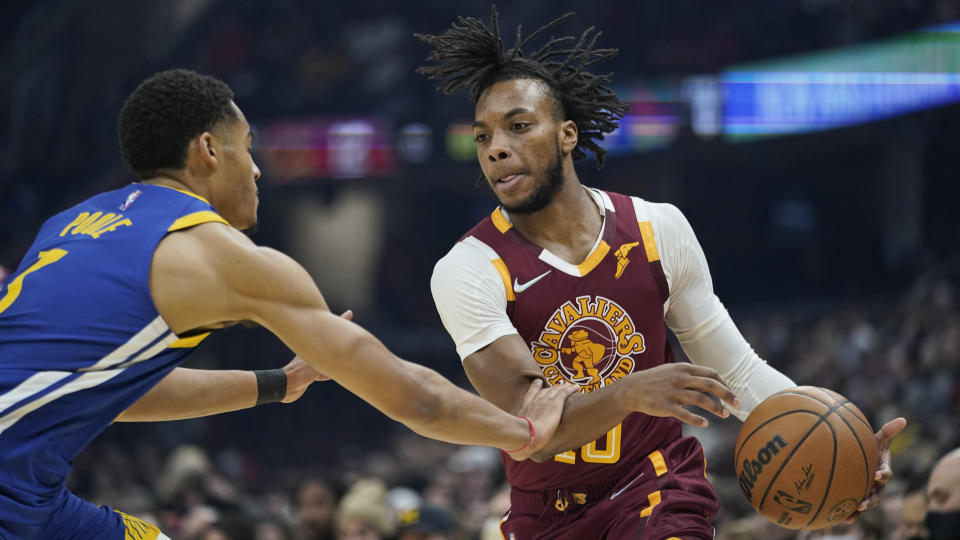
[518,134]
[234,195]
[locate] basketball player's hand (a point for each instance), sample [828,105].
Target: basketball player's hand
[301,375]
[543,406]
[884,472]
[665,390]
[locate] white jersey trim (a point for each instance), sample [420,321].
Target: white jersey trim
[92,376]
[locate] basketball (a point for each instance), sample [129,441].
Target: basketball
[805,458]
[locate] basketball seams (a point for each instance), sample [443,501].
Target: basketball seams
[863,452]
[743,443]
[859,415]
[797,446]
[833,467]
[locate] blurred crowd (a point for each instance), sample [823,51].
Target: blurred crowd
[896,357]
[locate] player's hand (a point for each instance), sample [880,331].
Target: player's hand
[300,375]
[543,406]
[884,472]
[665,390]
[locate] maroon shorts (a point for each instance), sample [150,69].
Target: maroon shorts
[664,496]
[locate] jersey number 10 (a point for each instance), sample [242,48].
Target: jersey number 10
[590,453]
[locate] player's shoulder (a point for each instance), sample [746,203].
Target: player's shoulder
[468,253]
[655,212]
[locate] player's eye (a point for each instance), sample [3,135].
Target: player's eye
[517,126]
[480,137]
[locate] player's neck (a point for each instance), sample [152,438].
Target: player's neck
[568,226]
[176,181]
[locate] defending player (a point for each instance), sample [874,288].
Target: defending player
[575,284]
[117,290]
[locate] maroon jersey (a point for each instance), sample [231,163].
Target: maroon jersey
[591,325]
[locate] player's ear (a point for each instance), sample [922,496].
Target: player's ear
[202,153]
[569,135]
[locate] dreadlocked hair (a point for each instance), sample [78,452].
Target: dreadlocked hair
[470,55]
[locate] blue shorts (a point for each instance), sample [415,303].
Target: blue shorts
[73,518]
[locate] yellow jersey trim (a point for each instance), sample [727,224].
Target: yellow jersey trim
[594,258]
[505,276]
[188,342]
[196,218]
[500,221]
[185,192]
[649,243]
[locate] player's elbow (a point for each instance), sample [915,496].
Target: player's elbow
[425,405]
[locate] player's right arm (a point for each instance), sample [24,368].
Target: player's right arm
[212,274]
[472,303]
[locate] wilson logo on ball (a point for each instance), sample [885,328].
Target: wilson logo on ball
[753,467]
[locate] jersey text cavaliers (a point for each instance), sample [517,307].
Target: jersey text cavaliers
[588,342]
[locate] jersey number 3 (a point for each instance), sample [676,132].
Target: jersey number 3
[15,286]
[590,453]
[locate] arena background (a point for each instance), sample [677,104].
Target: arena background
[812,144]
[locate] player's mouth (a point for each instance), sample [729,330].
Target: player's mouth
[509,182]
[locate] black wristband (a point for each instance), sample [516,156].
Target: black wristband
[271,385]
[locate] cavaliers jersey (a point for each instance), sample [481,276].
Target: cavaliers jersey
[81,339]
[588,324]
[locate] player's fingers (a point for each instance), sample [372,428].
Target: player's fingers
[714,386]
[532,391]
[688,417]
[891,429]
[348,315]
[868,503]
[562,391]
[692,397]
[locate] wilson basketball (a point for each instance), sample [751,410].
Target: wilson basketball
[805,458]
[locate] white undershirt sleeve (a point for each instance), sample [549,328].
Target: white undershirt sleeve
[470,297]
[700,321]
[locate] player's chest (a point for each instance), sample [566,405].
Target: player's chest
[593,329]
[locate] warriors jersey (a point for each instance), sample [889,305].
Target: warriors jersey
[81,339]
[588,324]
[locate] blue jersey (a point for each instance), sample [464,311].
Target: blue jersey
[81,339]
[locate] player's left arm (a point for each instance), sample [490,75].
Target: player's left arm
[701,323]
[192,393]
[709,337]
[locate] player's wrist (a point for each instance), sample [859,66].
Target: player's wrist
[271,385]
[532,435]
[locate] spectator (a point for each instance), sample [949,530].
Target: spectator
[943,498]
[316,503]
[426,523]
[364,513]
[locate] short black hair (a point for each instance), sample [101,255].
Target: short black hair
[470,55]
[164,113]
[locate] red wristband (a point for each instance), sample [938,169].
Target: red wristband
[529,441]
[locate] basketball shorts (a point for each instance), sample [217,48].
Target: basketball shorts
[665,496]
[76,519]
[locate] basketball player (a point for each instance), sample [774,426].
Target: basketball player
[558,269]
[117,290]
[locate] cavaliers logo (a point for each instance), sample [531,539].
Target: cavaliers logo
[588,342]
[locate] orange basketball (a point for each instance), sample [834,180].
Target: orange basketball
[805,458]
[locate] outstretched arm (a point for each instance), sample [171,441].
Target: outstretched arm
[192,393]
[236,280]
